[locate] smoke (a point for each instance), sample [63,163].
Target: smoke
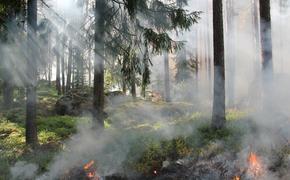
[111,148]
[23,170]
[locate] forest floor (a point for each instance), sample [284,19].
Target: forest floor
[164,133]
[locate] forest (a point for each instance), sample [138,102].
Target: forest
[144,90]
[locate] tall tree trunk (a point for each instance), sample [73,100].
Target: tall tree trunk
[124,86]
[133,85]
[58,85]
[30,126]
[49,74]
[78,68]
[49,60]
[266,38]
[69,67]
[218,114]
[63,66]
[166,78]
[266,50]
[82,71]
[99,95]
[90,67]
[73,70]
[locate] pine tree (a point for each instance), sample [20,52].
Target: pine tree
[218,114]
[31,128]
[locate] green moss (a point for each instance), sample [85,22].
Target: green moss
[208,134]
[51,130]
[46,137]
[12,141]
[62,126]
[16,115]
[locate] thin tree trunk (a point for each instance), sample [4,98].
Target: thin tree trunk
[63,66]
[69,68]
[82,71]
[30,126]
[73,69]
[124,86]
[133,86]
[266,38]
[77,68]
[99,95]
[166,78]
[49,61]
[218,114]
[58,85]
[90,67]
[266,50]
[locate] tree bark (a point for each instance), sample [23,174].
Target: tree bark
[58,85]
[99,95]
[266,51]
[90,67]
[49,61]
[133,86]
[218,114]
[69,68]
[124,86]
[166,78]
[63,66]
[49,74]
[266,38]
[30,126]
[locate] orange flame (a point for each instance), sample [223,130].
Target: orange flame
[236,178]
[91,175]
[255,166]
[89,165]
[90,171]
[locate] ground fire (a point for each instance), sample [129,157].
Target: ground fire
[90,171]
[236,178]
[255,167]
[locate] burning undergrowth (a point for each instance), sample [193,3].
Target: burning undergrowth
[184,148]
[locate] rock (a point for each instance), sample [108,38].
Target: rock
[76,102]
[73,103]
[165,164]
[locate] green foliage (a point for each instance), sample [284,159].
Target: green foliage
[155,152]
[48,137]
[160,41]
[209,134]
[180,19]
[51,131]
[12,141]
[133,5]
[62,126]
[16,115]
